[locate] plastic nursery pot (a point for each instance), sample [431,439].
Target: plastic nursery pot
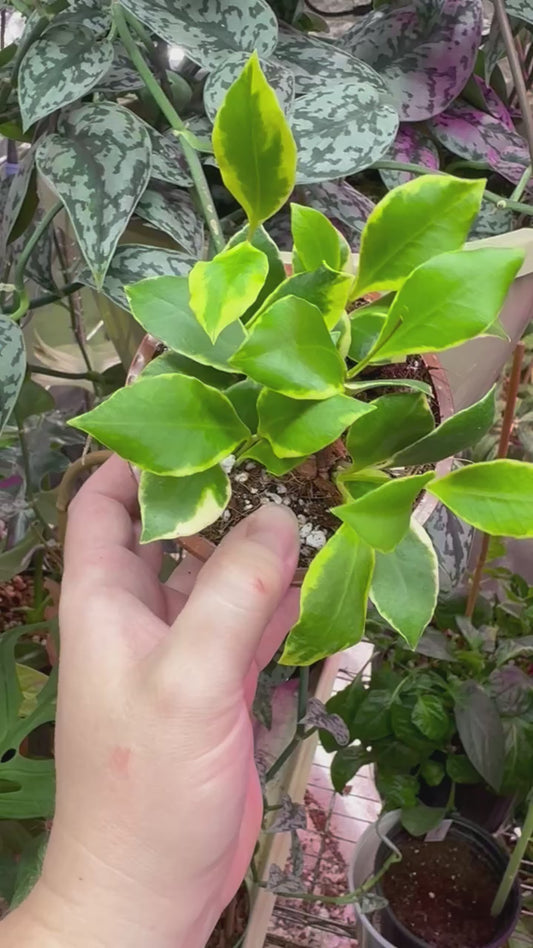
[202,548]
[475,802]
[470,842]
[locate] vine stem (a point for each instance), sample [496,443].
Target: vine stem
[73,301]
[511,872]
[48,298]
[208,208]
[522,184]
[516,70]
[24,301]
[56,374]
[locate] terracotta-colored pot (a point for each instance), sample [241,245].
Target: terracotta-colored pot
[202,548]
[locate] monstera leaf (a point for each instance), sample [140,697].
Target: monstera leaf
[133,262]
[424,51]
[218,82]
[211,29]
[344,205]
[99,163]
[342,129]
[410,145]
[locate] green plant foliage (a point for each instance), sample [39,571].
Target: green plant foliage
[398,420]
[141,423]
[12,366]
[295,427]
[279,77]
[254,148]
[133,262]
[276,271]
[495,496]
[180,506]
[381,517]
[262,451]
[481,732]
[419,820]
[316,241]
[222,289]
[172,211]
[243,396]
[323,287]
[430,717]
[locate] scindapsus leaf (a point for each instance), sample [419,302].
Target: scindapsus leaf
[295,427]
[222,289]
[12,366]
[405,584]
[170,424]
[253,145]
[334,600]
[428,216]
[413,146]
[19,189]
[172,211]
[278,76]
[316,241]
[381,517]
[290,351]
[99,163]
[397,421]
[134,262]
[61,67]
[181,506]
[494,496]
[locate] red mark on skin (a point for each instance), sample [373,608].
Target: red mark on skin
[259,585]
[119,761]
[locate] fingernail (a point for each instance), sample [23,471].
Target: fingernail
[275,528]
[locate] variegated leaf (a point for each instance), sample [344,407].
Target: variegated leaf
[210,29]
[94,14]
[121,77]
[424,51]
[60,68]
[99,163]
[347,208]
[341,129]
[412,145]
[282,883]
[173,212]
[16,194]
[218,82]
[12,366]
[491,221]
[317,716]
[476,136]
[134,262]
[521,9]
[291,816]
[493,103]
[493,48]
[39,265]
[315,63]
[168,161]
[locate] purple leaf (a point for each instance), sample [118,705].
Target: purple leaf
[411,145]
[495,106]
[290,817]
[297,856]
[476,136]
[425,51]
[511,689]
[347,208]
[262,764]
[317,716]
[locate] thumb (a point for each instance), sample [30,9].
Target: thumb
[214,641]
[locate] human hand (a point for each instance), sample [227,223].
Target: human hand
[158,800]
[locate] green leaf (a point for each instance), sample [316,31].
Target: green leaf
[494,496]
[433,772]
[171,424]
[181,506]
[450,299]
[173,212]
[415,384]
[334,600]
[15,559]
[405,584]
[34,796]
[171,362]
[134,262]
[295,427]
[33,400]
[161,306]
[325,288]
[397,421]
[381,517]
[290,350]
[222,289]
[346,763]
[460,770]
[12,366]
[61,67]
[254,146]
[98,162]
[367,324]
[453,435]
[29,868]
[276,270]
[427,216]
[279,78]
[168,161]
[31,682]
[372,721]
[431,717]
[513,648]
[355,484]
[345,703]
[243,396]
[420,819]
[397,790]
[262,452]
[481,732]
[21,193]
[407,732]
[316,241]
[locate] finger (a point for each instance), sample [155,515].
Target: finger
[235,597]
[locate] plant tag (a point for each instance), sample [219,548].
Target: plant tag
[439,833]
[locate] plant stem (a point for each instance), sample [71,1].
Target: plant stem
[303,695]
[516,71]
[48,298]
[56,374]
[38,589]
[24,302]
[503,447]
[121,18]
[282,759]
[511,872]
[522,184]
[73,302]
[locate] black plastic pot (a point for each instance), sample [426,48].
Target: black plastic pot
[489,851]
[474,802]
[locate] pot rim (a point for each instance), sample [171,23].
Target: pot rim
[202,548]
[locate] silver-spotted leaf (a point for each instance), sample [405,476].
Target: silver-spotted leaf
[411,145]
[12,366]
[521,9]
[315,63]
[278,76]
[347,208]
[173,212]
[98,162]
[168,161]
[318,716]
[134,262]
[61,67]
[17,191]
[181,506]
[86,13]
[491,221]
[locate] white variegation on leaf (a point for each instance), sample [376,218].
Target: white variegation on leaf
[181,506]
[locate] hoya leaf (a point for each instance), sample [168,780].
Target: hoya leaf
[243,396]
[354,484]
[278,76]
[12,366]
[494,496]
[381,517]
[397,421]
[413,146]
[428,216]
[106,151]
[181,506]
[254,146]
[415,384]
[342,129]
[316,241]
[276,270]
[450,299]
[222,289]
[161,306]
[334,600]
[261,451]
[481,732]
[405,584]
[431,717]
[367,325]
[325,288]
[61,67]
[173,212]
[295,427]
[170,424]
[211,29]
[290,350]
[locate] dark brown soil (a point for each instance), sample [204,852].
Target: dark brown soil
[442,892]
[232,924]
[15,596]
[414,367]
